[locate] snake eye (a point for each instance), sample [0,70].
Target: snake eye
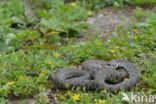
[108,64]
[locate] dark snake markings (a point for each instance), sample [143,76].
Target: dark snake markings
[112,76]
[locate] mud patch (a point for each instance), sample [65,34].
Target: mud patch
[106,20]
[49,94]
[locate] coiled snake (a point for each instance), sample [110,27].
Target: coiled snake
[112,76]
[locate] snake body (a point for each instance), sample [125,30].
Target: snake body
[112,76]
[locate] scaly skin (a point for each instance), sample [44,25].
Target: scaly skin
[96,65]
[128,83]
[68,78]
[99,75]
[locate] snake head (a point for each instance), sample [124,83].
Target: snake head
[113,64]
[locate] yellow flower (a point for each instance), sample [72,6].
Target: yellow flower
[56,55]
[136,37]
[136,31]
[76,97]
[43,72]
[89,13]
[125,78]
[22,77]
[10,83]
[99,101]
[50,63]
[112,51]
[117,47]
[73,4]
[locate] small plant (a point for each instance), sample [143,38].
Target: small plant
[66,18]
[42,98]
[57,18]
[3,100]
[25,73]
[143,2]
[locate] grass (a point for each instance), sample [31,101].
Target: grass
[136,43]
[143,2]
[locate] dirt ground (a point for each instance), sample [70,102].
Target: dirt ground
[105,21]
